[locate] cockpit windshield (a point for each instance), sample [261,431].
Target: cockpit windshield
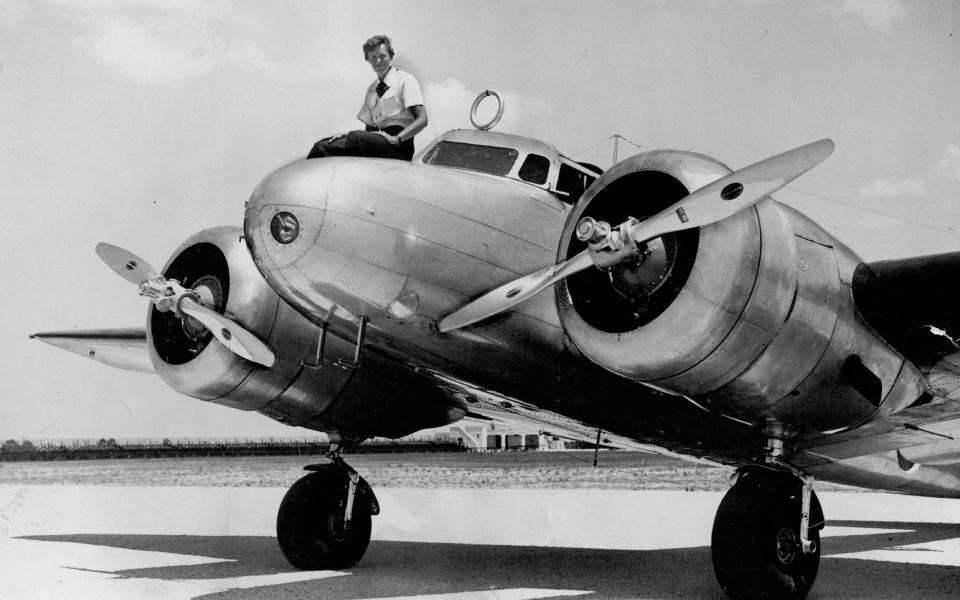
[475,157]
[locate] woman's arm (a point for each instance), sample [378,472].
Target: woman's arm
[420,112]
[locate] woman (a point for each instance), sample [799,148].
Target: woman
[392,110]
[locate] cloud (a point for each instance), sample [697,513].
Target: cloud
[448,104]
[165,42]
[949,165]
[886,188]
[879,15]
[13,13]
[448,107]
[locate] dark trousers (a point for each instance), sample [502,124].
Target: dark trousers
[363,143]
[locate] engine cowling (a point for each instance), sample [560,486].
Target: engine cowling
[751,316]
[312,382]
[215,263]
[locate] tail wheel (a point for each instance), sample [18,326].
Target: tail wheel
[756,540]
[310,524]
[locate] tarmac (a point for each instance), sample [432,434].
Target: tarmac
[103,542]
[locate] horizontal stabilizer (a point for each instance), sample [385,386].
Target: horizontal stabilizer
[121,348]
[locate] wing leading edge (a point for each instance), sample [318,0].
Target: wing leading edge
[121,348]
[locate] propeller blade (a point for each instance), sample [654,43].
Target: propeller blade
[513,293]
[230,334]
[714,202]
[126,264]
[138,271]
[735,192]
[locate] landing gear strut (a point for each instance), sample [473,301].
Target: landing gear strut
[766,535]
[324,518]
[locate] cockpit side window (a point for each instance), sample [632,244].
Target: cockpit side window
[475,157]
[535,169]
[573,183]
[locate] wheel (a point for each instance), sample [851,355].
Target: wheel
[310,527]
[756,539]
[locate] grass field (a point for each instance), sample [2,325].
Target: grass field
[566,469]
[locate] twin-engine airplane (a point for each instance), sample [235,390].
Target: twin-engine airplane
[670,302]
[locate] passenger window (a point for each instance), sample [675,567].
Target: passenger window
[535,169]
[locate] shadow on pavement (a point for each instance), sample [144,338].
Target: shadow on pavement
[392,569]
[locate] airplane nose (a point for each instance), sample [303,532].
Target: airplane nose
[285,213]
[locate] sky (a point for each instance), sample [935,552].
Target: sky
[141,122]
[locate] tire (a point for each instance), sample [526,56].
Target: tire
[310,523]
[756,539]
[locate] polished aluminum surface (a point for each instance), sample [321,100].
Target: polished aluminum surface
[216,373]
[763,325]
[760,329]
[376,231]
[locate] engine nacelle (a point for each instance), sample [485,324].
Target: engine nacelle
[751,316]
[312,382]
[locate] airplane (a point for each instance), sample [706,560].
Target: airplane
[669,302]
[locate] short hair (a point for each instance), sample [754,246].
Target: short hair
[371,45]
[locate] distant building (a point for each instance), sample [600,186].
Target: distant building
[488,436]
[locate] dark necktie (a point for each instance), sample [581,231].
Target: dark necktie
[381,89]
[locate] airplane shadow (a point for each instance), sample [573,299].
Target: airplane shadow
[392,569]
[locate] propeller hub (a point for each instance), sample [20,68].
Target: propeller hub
[636,279]
[207,291]
[592,231]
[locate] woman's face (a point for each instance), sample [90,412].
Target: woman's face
[379,59]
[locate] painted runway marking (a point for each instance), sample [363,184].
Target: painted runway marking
[511,594]
[838,531]
[82,572]
[941,552]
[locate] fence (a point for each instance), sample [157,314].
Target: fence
[27,450]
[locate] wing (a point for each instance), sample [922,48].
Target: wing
[121,348]
[916,450]
[908,302]
[517,416]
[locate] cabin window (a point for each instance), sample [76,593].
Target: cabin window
[535,169]
[475,157]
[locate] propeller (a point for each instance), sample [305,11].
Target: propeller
[126,264]
[608,246]
[168,294]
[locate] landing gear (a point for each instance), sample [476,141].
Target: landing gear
[758,545]
[324,518]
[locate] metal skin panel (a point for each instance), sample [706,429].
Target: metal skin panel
[944,452]
[882,471]
[800,340]
[695,324]
[767,266]
[679,349]
[827,400]
[216,373]
[760,328]
[383,229]
[312,383]
[121,348]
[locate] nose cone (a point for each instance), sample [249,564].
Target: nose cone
[285,213]
[325,233]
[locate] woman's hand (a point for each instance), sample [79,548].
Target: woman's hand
[391,139]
